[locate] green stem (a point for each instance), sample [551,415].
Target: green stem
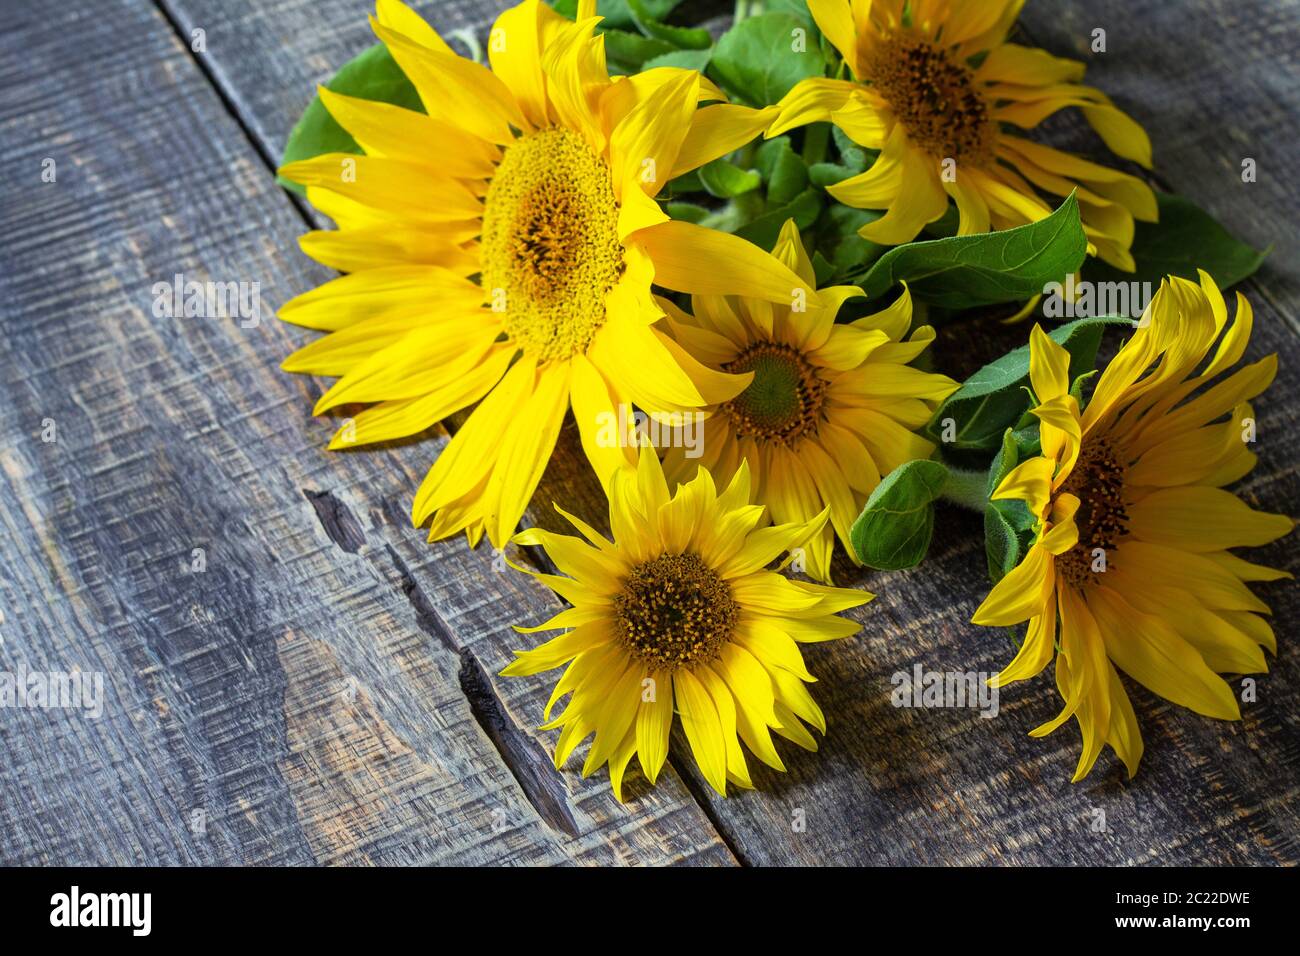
[467,36]
[967,488]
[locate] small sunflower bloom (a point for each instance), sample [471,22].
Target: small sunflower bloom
[936,88]
[679,615]
[500,249]
[1132,565]
[831,408]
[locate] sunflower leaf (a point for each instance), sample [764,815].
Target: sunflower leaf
[852,155]
[764,229]
[371,75]
[796,8]
[894,529]
[783,170]
[828,174]
[760,58]
[963,272]
[684,59]
[1008,457]
[975,417]
[725,180]
[822,268]
[687,211]
[1001,541]
[684,38]
[846,250]
[1005,522]
[628,52]
[1186,238]
[617,13]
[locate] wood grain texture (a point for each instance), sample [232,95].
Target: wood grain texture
[308,692]
[1213,83]
[325,688]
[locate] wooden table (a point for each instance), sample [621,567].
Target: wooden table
[324,690]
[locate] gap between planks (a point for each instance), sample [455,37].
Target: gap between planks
[344,530]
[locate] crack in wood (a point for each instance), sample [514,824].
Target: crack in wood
[543,787]
[695,785]
[344,530]
[214,82]
[529,766]
[337,519]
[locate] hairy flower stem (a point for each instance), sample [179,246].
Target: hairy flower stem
[967,488]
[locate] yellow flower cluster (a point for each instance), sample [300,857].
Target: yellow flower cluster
[504,250]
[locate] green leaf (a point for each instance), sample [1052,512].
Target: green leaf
[686,183]
[754,60]
[687,211]
[852,155]
[617,13]
[823,269]
[688,38]
[894,530]
[629,52]
[1005,522]
[1008,457]
[1186,238]
[783,170]
[796,8]
[763,230]
[1076,387]
[725,180]
[684,59]
[994,398]
[828,174]
[848,251]
[1002,546]
[945,226]
[659,9]
[372,75]
[967,271]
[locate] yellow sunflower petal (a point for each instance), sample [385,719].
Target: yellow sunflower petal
[1022,593]
[703,729]
[653,722]
[1194,518]
[1152,653]
[455,90]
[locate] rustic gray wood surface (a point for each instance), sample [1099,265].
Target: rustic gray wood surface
[324,691]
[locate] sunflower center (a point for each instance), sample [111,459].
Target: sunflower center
[935,98]
[1098,482]
[550,242]
[675,611]
[785,398]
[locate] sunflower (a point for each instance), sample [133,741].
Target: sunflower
[935,87]
[679,607]
[830,409]
[501,248]
[1131,566]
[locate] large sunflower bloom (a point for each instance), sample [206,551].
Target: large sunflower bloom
[537,177]
[831,407]
[1131,567]
[935,87]
[679,608]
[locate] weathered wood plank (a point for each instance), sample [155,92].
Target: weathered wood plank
[946,786]
[304,691]
[894,786]
[1214,83]
[890,786]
